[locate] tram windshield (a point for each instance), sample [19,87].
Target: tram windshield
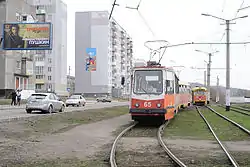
[148,82]
[199,92]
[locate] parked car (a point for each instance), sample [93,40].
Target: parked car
[45,102]
[76,100]
[104,99]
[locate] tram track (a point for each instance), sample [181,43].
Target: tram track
[224,148]
[160,131]
[238,110]
[241,108]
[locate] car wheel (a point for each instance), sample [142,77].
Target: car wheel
[50,109]
[62,108]
[79,104]
[84,103]
[28,111]
[67,105]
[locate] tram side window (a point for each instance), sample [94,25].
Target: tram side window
[169,87]
[177,85]
[180,88]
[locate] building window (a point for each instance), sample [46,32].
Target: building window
[39,76]
[49,78]
[17,82]
[18,64]
[38,86]
[39,58]
[39,69]
[49,69]
[49,60]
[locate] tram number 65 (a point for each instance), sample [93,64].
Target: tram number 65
[147,104]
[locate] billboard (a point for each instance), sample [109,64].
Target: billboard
[91,59]
[27,36]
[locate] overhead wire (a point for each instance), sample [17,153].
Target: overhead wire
[239,8]
[151,30]
[222,11]
[223,7]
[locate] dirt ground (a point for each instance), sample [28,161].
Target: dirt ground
[90,144]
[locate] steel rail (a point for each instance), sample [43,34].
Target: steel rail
[235,109]
[230,157]
[112,153]
[241,108]
[231,121]
[160,140]
[162,143]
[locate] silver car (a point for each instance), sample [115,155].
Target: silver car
[104,99]
[45,102]
[76,100]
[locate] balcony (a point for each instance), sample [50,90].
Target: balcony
[122,35]
[27,86]
[24,67]
[40,81]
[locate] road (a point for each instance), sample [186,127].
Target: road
[15,113]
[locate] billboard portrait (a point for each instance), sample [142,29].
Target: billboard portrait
[27,36]
[91,59]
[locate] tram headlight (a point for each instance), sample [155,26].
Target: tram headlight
[158,105]
[137,105]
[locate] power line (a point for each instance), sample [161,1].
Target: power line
[113,6]
[143,19]
[239,8]
[224,2]
[223,6]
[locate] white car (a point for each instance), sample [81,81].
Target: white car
[75,100]
[45,102]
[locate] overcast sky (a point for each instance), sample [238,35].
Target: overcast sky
[180,21]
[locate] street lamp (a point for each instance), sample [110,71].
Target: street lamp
[227,56]
[208,72]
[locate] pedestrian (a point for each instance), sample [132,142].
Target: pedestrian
[13,96]
[18,97]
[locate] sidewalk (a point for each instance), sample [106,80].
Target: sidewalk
[5,107]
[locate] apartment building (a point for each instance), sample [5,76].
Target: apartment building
[51,65]
[16,67]
[139,62]
[103,55]
[92,53]
[122,59]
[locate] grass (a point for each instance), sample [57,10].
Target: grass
[245,105]
[189,125]
[76,118]
[58,123]
[225,130]
[241,119]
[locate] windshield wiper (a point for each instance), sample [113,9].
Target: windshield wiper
[144,90]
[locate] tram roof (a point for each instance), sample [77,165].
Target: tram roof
[199,88]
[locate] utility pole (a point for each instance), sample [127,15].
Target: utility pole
[205,78]
[208,71]
[208,76]
[228,68]
[217,92]
[69,70]
[227,55]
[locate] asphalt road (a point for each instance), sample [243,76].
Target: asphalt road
[15,113]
